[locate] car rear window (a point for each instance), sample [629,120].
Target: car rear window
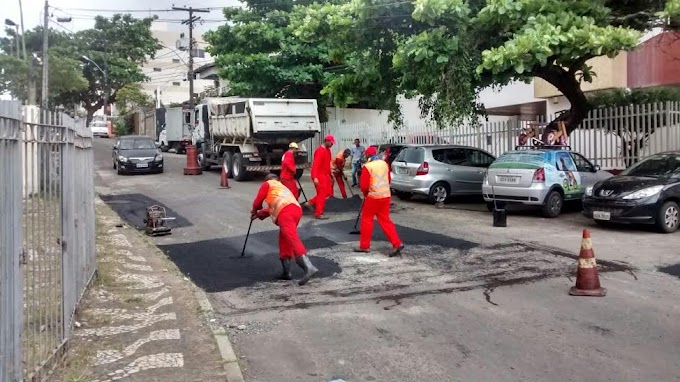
[519,160]
[411,155]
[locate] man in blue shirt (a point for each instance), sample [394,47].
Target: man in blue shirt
[357,153]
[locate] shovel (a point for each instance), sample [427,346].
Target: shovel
[356,230]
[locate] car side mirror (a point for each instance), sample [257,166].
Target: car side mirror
[158,144]
[597,167]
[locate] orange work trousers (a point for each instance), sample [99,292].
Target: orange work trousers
[379,209]
[290,245]
[324,190]
[341,185]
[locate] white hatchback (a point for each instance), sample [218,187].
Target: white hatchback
[99,129]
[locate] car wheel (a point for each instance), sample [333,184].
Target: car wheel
[403,195]
[668,217]
[237,167]
[114,164]
[553,204]
[439,192]
[120,171]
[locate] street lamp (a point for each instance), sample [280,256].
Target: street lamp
[11,23]
[106,82]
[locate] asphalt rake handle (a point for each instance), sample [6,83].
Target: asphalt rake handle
[356,231]
[302,190]
[243,251]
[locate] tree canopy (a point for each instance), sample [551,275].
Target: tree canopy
[118,45]
[444,51]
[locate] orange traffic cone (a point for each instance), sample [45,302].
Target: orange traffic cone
[224,182]
[587,278]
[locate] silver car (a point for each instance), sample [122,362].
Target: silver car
[439,171]
[540,177]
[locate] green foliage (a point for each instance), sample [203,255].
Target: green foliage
[627,97]
[259,56]
[121,127]
[131,96]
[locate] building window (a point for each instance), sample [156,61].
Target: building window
[175,60]
[199,53]
[156,69]
[176,84]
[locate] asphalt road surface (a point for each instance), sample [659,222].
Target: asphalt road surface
[466,302]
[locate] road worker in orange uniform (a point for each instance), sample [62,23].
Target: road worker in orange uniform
[338,167]
[286,213]
[288,169]
[375,184]
[321,175]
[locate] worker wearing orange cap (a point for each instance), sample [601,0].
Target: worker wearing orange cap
[321,176]
[375,184]
[338,167]
[288,169]
[286,213]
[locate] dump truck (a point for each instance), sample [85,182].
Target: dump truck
[176,129]
[249,135]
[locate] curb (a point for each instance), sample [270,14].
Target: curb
[229,359]
[231,365]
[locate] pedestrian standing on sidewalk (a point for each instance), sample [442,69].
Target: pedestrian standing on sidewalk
[321,175]
[286,213]
[357,153]
[338,167]
[375,185]
[288,169]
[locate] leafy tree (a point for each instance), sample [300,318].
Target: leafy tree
[119,46]
[260,57]
[65,74]
[131,96]
[447,50]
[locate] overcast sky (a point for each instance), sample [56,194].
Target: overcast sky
[82,11]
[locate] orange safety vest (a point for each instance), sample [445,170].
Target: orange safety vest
[379,186]
[278,197]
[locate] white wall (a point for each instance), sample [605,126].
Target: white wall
[515,93]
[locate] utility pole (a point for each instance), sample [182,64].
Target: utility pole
[190,22]
[46,33]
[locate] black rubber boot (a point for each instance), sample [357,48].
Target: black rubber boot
[397,251]
[307,266]
[286,270]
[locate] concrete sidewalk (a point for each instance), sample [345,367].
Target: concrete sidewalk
[141,320]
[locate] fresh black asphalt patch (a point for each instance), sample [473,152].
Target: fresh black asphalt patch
[216,265]
[132,209]
[673,270]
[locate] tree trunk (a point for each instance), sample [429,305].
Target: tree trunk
[90,116]
[565,81]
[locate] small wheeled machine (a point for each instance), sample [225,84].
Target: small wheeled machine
[157,221]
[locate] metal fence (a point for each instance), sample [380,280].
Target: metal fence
[613,138]
[47,239]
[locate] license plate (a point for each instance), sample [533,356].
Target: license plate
[600,215]
[508,179]
[142,165]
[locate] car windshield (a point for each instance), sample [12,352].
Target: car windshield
[657,166]
[136,144]
[411,155]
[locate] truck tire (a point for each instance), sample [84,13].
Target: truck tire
[205,165]
[238,168]
[298,173]
[226,162]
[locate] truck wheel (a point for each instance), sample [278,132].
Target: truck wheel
[238,169]
[226,162]
[203,161]
[298,173]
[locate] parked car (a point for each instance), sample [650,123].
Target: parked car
[439,171]
[545,177]
[99,129]
[647,192]
[389,151]
[137,154]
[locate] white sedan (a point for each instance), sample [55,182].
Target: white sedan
[99,129]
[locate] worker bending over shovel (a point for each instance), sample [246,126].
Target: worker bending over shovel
[375,184]
[338,167]
[286,213]
[288,169]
